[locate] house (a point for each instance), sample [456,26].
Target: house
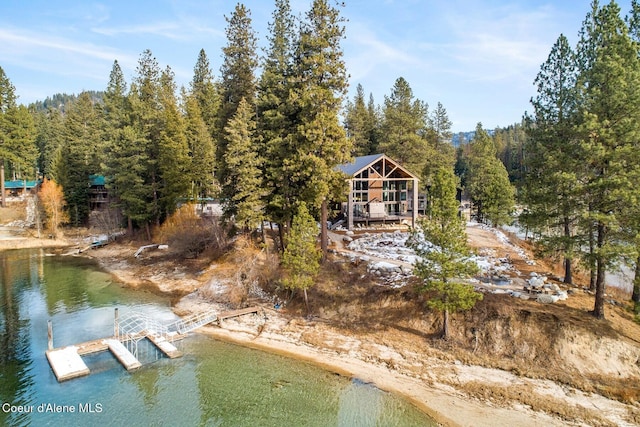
[380,190]
[98,193]
[19,188]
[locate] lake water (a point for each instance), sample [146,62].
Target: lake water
[213,384]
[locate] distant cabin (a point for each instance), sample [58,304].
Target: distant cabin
[380,190]
[19,188]
[98,193]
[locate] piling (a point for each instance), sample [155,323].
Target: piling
[49,335]
[115,324]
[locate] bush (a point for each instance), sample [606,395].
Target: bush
[189,235]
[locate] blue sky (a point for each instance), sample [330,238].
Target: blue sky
[478,58]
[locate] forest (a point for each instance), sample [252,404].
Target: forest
[266,133]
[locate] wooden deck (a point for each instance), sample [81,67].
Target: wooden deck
[236,313]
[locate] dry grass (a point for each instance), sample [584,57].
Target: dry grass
[13,212]
[537,402]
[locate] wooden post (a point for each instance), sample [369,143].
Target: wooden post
[115,324]
[49,335]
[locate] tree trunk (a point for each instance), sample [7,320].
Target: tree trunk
[592,267]
[281,235]
[306,302]
[568,278]
[598,308]
[445,325]
[3,197]
[148,230]
[130,226]
[324,238]
[635,297]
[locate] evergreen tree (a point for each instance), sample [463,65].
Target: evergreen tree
[173,152]
[439,151]
[127,168]
[242,189]
[441,244]
[20,133]
[79,156]
[275,121]
[360,125]
[146,106]
[552,188]
[17,135]
[404,126]
[609,83]
[320,143]
[201,150]
[375,123]
[204,89]
[488,182]
[237,76]
[49,130]
[301,258]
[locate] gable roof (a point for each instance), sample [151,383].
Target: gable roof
[361,163]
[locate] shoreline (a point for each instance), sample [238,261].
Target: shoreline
[435,388]
[14,243]
[443,404]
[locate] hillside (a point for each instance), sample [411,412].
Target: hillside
[510,361]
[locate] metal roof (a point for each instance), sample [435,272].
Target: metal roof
[9,185]
[359,163]
[96,180]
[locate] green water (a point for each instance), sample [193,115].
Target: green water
[213,384]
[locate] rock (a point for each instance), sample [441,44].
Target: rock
[547,299]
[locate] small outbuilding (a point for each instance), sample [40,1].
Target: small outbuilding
[380,190]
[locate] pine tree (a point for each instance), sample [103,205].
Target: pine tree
[242,189]
[79,156]
[301,258]
[439,151]
[49,131]
[237,76]
[274,121]
[441,244]
[17,135]
[146,107]
[404,126]
[128,169]
[173,152]
[609,83]
[201,150]
[488,182]
[320,143]
[360,125]
[203,88]
[552,188]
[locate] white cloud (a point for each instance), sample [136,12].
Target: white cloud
[58,55]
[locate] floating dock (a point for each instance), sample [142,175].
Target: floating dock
[66,362]
[124,356]
[165,346]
